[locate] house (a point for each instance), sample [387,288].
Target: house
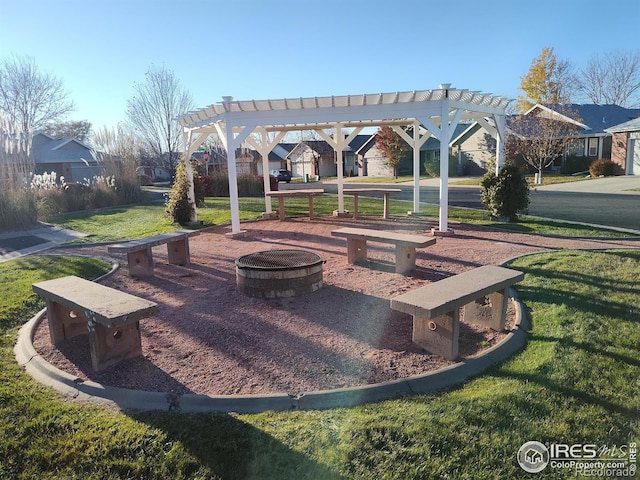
[312,157]
[68,157]
[373,163]
[594,142]
[625,146]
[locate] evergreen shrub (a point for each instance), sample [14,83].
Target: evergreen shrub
[505,195]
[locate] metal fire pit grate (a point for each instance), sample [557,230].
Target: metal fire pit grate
[279,260]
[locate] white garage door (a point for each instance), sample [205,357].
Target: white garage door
[634,154]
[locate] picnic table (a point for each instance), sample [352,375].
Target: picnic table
[281,194]
[357,191]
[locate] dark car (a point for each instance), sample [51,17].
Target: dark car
[282,175]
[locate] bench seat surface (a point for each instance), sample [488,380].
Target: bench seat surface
[349,191]
[135,245]
[111,307]
[444,295]
[383,236]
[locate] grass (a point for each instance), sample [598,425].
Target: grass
[547,179]
[126,223]
[576,381]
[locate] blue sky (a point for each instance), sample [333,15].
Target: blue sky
[257,49]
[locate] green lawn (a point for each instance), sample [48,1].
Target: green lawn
[131,222]
[576,381]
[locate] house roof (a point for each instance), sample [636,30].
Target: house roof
[630,126]
[601,117]
[47,149]
[595,119]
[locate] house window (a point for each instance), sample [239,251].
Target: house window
[593,147]
[576,148]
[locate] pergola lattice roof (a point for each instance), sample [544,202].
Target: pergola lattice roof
[431,113]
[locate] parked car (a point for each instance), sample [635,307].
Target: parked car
[282,175]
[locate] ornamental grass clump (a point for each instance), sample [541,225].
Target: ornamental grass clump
[506,194]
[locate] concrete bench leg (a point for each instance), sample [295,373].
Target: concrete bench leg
[311,206]
[355,205]
[489,311]
[111,345]
[405,259]
[356,250]
[281,208]
[178,252]
[438,335]
[141,263]
[64,323]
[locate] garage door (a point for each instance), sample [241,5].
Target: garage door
[634,154]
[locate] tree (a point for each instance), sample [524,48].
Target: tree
[543,135]
[79,129]
[31,98]
[613,78]
[393,147]
[153,111]
[549,81]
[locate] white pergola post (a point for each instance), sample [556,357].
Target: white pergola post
[191,195]
[339,142]
[416,141]
[500,121]
[264,147]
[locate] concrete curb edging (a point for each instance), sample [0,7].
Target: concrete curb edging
[76,389]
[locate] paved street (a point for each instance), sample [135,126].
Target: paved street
[602,201]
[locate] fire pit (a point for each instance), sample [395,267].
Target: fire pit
[279,273]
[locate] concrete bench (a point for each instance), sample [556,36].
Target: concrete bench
[483,292]
[281,194]
[405,244]
[140,257]
[358,191]
[112,317]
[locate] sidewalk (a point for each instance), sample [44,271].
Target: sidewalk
[23,242]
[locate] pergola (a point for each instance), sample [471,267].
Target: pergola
[338,119]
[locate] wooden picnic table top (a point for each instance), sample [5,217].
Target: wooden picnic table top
[371,190]
[287,193]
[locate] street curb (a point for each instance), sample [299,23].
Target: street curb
[73,388]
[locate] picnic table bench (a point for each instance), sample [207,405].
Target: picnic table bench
[483,292]
[281,194]
[357,191]
[140,257]
[405,244]
[112,317]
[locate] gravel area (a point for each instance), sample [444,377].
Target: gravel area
[210,339]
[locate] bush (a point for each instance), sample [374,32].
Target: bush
[432,166]
[506,194]
[574,164]
[218,185]
[603,168]
[178,206]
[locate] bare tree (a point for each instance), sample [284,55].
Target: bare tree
[79,129]
[29,97]
[542,136]
[153,112]
[612,78]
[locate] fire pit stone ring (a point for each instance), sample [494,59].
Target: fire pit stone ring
[279,273]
